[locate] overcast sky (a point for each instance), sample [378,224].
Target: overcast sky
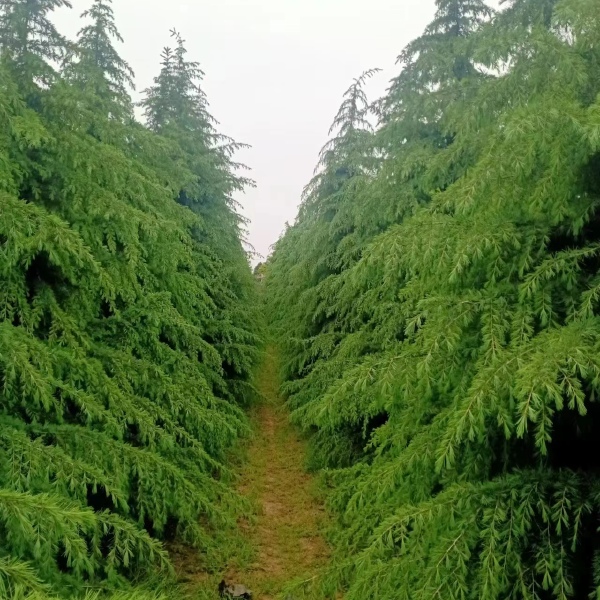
[275,74]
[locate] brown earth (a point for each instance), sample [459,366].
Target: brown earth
[284,533]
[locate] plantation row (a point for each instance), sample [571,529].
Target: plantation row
[438,306]
[127,312]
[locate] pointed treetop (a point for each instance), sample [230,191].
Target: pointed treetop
[176,98]
[348,152]
[29,39]
[96,61]
[437,59]
[350,124]
[453,19]
[458,18]
[353,111]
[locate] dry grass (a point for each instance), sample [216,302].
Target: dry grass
[284,532]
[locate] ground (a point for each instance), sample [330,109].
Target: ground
[284,535]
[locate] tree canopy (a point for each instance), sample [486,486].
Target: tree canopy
[128,326]
[437,305]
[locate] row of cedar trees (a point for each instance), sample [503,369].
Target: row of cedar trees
[438,305]
[127,327]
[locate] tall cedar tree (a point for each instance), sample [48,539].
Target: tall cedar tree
[116,406]
[95,65]
[176,108]
[29,38]
[450,371]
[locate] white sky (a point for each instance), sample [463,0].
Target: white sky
[275,74]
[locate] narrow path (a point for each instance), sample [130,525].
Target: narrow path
[285,535]
[281,542]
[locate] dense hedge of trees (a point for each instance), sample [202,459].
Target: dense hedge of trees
[127,312]
[438,306]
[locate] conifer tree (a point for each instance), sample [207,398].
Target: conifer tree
[343,156]
[116,408]
[29,39]
[461,378]
[415,128]
[176,108]
[95,62]
[440,57]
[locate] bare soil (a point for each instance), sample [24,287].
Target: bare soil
[284,533]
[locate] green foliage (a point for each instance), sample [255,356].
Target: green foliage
[437,306]
[28,36]
[94,63]
[127,318]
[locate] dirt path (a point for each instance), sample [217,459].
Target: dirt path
[281,543]
[285,535]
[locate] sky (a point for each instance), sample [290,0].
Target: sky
[276,71]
